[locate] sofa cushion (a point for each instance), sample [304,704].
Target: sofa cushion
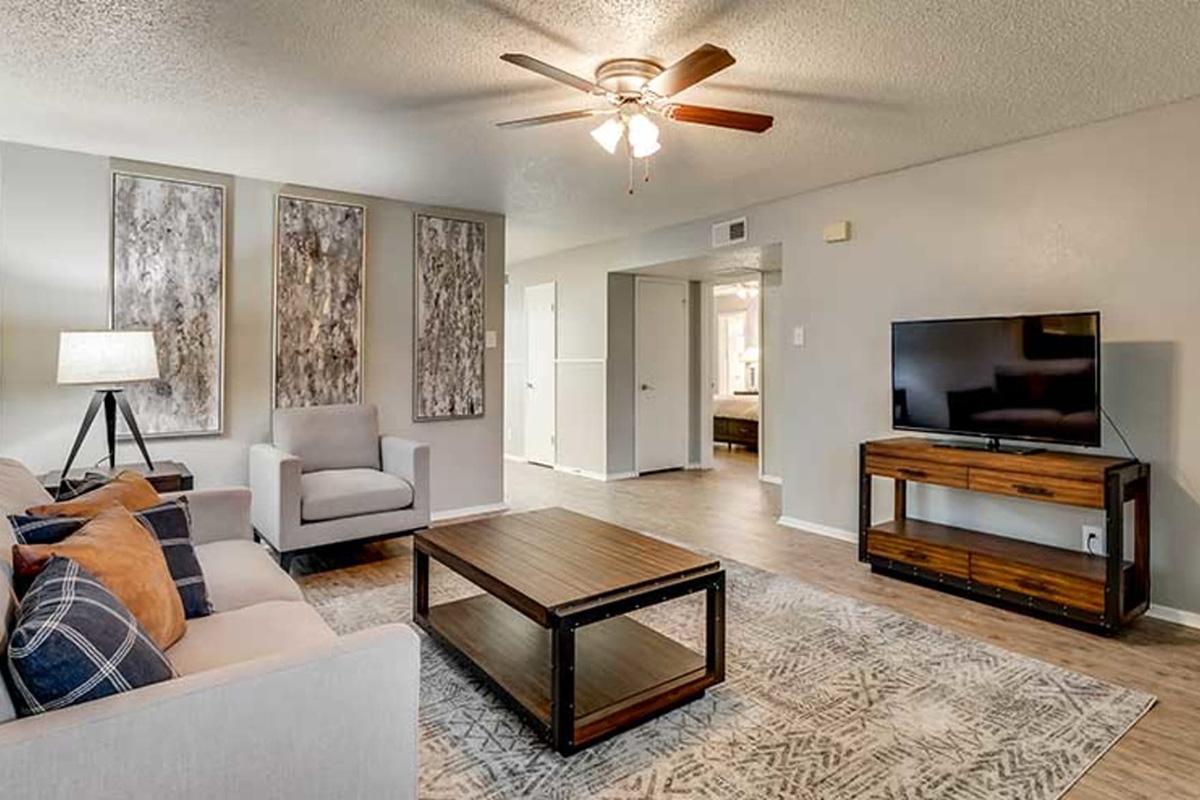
[19,488]
[74,641]
[239,573]
[329,437]
[126,558]
[255,631]
[171,524]
[335,493]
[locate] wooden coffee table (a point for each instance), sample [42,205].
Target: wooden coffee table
[550,633]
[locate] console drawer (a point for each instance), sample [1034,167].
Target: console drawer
[921,471]
[1057,587]
[918,553]
[1029,487]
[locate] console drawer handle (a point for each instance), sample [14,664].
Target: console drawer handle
[1036,491]
[913,473]
[916,555]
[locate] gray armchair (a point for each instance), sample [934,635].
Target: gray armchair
[330,477]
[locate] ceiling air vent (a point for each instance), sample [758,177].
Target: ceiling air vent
[731,231]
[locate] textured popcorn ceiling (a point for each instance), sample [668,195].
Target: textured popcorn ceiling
[398,98]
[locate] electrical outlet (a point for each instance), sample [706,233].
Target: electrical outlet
[1093,540]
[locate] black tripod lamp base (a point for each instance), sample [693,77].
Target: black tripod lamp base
[111,400]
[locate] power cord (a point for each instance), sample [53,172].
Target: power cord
[1117,428]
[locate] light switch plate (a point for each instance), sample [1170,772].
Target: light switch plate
[489,340]
[798,336]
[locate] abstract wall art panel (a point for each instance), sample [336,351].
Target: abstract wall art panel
[448,319]
[168,265]
[320,256]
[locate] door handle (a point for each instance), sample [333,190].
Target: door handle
[528,385]
[646,387]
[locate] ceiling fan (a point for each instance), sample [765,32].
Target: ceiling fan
[637,89]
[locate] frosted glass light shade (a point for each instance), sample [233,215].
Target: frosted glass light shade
[643,136]
[609,134]
[106,357]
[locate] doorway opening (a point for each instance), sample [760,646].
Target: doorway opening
[690,349]
[736,402]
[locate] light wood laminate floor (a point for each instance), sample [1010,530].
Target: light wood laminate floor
[728,511]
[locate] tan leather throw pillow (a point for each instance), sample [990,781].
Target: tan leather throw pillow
[127,559]
[128,489]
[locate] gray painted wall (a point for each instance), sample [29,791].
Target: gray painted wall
[1104,216]
[54,266]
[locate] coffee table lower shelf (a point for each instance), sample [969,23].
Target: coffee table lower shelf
[624,671]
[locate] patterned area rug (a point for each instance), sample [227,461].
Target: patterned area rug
[825,697]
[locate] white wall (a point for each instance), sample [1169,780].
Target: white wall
[1105,216]
[54,267]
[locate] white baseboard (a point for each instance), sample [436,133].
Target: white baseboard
[582,473]
[595,476]
[819,529]
[467,511]
[1180,617]
[518,459]
[775,479]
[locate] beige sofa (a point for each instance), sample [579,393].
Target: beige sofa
[269,702]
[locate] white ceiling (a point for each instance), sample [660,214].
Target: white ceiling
[398,98]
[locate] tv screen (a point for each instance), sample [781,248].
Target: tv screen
[1030,377]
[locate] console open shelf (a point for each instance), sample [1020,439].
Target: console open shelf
[1102,592]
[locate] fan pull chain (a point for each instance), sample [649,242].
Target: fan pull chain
[646,175]
[631,173]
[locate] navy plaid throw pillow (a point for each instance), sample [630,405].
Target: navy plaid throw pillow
[171,524]
[70,488]
[73,641]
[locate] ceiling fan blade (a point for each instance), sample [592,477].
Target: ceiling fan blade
[546,119]
[720,117]
[551,72]
[703,62]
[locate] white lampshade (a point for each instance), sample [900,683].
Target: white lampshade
[750,355]
[106,357]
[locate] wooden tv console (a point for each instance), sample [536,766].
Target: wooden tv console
[1100,592]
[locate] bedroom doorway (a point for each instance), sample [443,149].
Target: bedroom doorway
[736,372]
[734,345]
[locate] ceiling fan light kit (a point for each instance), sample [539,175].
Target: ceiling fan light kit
[609,134]
[635,89]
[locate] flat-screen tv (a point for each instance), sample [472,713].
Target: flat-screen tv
[1033,378]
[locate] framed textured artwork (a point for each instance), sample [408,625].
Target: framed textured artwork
[168,275]
[448,336]
[320,258]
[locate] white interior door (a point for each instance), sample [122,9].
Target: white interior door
[540,335]
[661,430]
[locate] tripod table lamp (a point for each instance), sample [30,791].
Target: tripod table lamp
[107,359]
